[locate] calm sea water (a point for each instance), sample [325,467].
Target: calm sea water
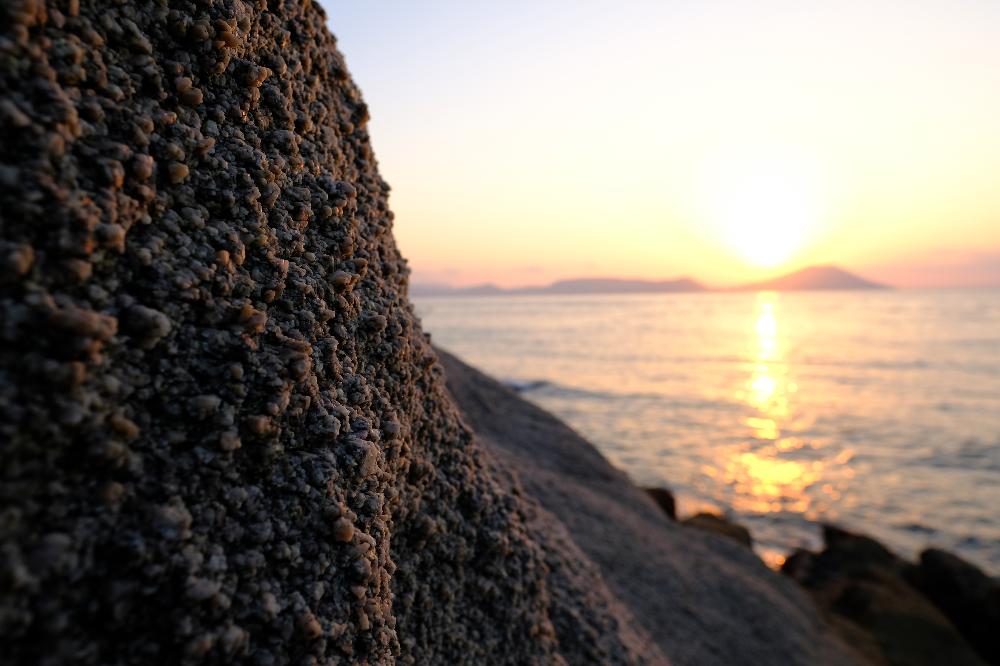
[876,410]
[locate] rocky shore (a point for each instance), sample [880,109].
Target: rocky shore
[226,438]
[700,598]
[938,610]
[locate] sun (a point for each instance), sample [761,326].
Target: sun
[763,206]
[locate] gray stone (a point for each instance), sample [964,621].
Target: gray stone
[200,295]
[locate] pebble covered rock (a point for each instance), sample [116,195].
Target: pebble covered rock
[224,435]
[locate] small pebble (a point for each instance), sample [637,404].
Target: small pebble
[178,172]
[343,530]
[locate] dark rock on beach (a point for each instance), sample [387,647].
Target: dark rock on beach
[665,500]
[697,597]
[711,522]
[707,522]
[966,595]
[869,594]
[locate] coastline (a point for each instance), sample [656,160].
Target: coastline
[696,591]
[700,598]
[229,439]
[791,414]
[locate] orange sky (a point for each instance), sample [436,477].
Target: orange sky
[531,141]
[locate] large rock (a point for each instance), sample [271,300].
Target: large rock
[969,598]
[701,598]
[225,437]
[665,500]
[716,524]
[866,591]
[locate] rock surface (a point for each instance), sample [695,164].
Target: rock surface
[710,522]
[870,596]
[699,597]
[225,438]
[665,500]
[966,595]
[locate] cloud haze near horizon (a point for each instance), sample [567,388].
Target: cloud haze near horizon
[532,141]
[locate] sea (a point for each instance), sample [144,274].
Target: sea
[875,410]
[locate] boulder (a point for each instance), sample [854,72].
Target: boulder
[699,598]
[665,500]
[864,590]
[225,437]
[716,524]
[966,595]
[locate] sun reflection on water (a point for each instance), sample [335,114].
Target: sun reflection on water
[761,470]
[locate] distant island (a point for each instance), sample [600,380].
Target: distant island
[812,278]
[806,279]
[564,287]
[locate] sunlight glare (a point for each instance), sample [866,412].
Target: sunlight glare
[765,480]
[763,205]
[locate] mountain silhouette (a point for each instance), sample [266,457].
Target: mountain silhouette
[812,278]
[806,279]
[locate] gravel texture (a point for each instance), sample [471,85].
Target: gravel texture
[224,436]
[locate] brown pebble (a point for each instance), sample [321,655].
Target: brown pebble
[200,31]
[224,33]
[343,530]
[75,373]
[202,406]
[85,322]
[57,148]
[142,167]
[13,116]
[192,97]
[112,235]
[310,626]
[300,367]
[79,269]
[230,441]
[205,146]
[124,426]
[174,151]
[112,492]
[253,320]
[340,280]
[17,260]
[178,172]
[200,645]
[233,639]
[258,424]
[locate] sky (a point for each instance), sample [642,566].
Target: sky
[727,141]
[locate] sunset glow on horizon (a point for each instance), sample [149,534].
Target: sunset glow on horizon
[762,205]
[529,142]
